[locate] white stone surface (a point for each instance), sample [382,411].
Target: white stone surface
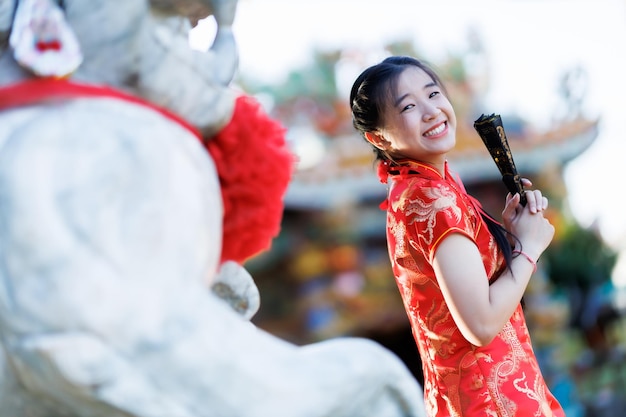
[110,236]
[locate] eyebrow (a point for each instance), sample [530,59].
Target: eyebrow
[399,99]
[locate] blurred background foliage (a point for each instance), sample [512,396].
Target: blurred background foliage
[579,258]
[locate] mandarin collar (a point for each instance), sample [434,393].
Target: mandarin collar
[409,166]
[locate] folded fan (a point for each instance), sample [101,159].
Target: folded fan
[492,133]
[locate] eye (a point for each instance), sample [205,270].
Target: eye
[408,107]
[433,94]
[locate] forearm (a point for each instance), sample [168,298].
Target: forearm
[507,291]
[479,309]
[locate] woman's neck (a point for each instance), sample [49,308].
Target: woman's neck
[440,167]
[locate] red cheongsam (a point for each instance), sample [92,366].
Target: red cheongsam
[460,379]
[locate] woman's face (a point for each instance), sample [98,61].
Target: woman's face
[419,121]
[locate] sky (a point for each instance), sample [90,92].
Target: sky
[530,43]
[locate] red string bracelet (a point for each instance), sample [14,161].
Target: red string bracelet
[525,255]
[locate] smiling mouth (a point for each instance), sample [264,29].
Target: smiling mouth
[436,130]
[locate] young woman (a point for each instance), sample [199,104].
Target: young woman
[461,274]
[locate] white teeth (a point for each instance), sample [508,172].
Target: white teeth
[436,131]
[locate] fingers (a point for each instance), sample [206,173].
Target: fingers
[512,201]
[536,201]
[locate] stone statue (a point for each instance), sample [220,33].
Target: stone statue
[111,221]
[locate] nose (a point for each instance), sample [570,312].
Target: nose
[430,112]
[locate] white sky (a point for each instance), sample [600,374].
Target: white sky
[529,43]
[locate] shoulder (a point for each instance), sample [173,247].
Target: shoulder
[432,207]
[435,194]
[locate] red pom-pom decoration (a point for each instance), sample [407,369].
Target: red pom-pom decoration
[253,161]
[255,167]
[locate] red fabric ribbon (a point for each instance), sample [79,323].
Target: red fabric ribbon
[41,90]
[251,156]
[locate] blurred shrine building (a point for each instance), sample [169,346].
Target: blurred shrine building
[328,272]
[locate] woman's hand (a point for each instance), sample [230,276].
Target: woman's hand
[535,202]
[527,223]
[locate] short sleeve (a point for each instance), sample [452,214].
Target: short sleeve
[434,210]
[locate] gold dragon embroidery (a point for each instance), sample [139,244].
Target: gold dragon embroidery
[441,199]
[507,367]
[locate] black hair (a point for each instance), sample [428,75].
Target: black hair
[371,94]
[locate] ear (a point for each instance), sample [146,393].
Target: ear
[376,140]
